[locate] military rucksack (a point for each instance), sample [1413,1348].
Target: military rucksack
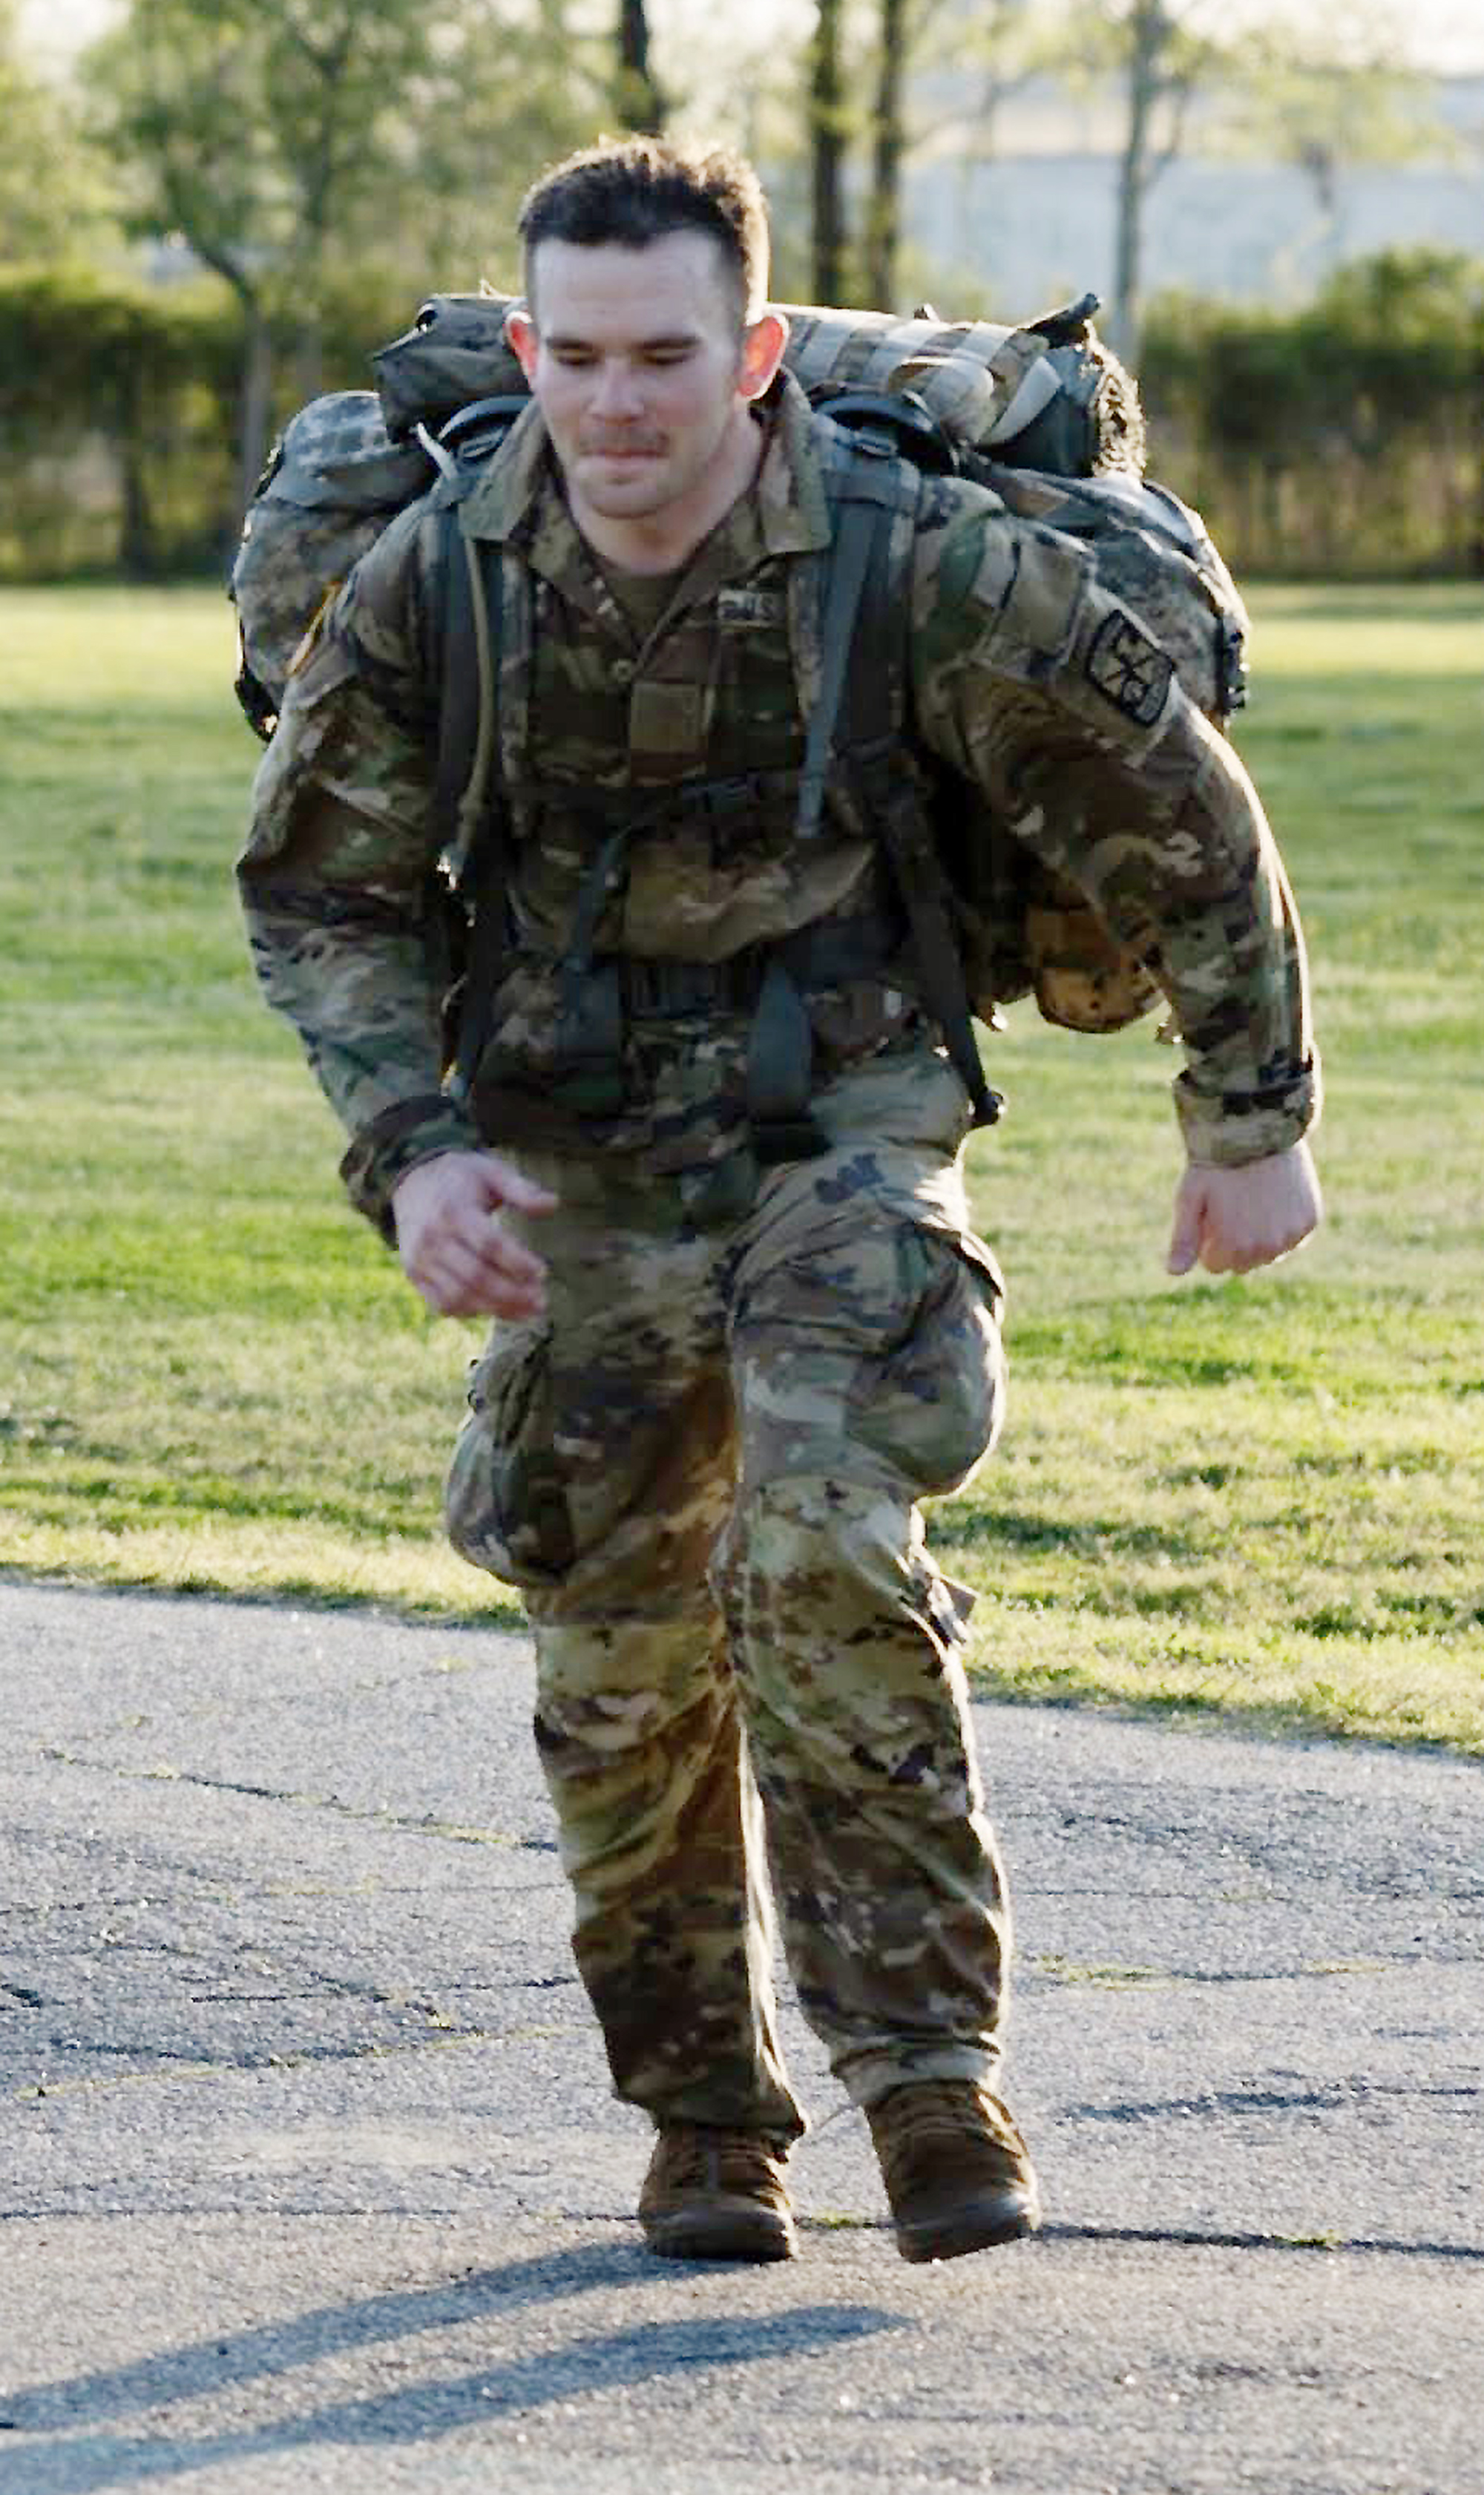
[1043,415]
[1045,396]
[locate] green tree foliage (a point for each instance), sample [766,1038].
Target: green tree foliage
[1343,439]
[260,130]
[1296,80]
[282,139]
[116,407]
[115,423]
[56,197]
[521,81]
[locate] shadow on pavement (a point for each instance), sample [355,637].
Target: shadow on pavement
[420,2410]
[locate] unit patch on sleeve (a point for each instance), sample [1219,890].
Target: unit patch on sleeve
[1130,669]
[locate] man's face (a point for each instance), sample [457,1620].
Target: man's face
[642,368]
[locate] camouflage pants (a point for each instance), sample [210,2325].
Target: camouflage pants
[702,1468]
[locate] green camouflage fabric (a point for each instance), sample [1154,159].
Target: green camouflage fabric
[348,462]
[703,1465]
[1026,927]
[331,485]
[455,352]
[989,386]
[1033,681]
[702,1468]
[992,389]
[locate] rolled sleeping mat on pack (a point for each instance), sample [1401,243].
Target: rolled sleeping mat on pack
[1048,394]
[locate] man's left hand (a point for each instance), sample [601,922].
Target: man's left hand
[1231,1220]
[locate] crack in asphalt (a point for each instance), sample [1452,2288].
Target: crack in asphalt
[1113,1978]
[1216,2240]
[382,1817]
[307,2058]
[1328,2099]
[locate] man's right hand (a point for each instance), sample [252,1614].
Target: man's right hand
[1252,1214]
[455,1248]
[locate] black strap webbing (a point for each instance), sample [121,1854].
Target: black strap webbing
[452,683]
[780,1054]
[868,633]
[908,840]
[849,561]
[471,810]
[860,659]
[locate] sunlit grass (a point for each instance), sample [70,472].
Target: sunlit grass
[1264,1497]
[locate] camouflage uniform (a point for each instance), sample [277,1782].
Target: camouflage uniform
[702,1464]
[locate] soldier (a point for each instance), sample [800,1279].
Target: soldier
[742,1327]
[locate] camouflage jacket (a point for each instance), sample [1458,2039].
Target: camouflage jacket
[1026,677]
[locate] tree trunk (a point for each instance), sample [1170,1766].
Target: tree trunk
[137,557]
[254,405]
[640,104]
[1149,29]
[255,389]
[827,131]
[887,146]
[308,374]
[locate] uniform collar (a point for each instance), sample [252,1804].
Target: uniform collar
[518,500]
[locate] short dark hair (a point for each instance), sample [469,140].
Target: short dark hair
[632,191]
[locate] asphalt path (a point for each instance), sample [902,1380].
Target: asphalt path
[311,2177]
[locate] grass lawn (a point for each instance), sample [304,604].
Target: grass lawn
[1265,1497]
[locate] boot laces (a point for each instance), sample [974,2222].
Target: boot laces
[929,2116]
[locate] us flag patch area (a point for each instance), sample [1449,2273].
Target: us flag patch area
[750,606]
[1132,671]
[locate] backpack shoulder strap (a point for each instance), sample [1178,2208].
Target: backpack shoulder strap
[463,674]
[866,607]
[458,695]
[867,484]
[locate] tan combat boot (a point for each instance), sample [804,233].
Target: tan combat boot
[716,2195]
[957,2172]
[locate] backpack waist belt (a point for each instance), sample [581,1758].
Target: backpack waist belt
[766,983]
[857,947]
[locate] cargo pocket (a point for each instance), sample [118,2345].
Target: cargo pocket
[871,1354]
[933,1402]
[504,1503]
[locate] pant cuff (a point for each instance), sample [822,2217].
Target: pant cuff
[867,2077]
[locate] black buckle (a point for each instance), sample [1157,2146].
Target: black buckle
[775,1140]
[735,797]
[889,424]
[658,989]
[479,416]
